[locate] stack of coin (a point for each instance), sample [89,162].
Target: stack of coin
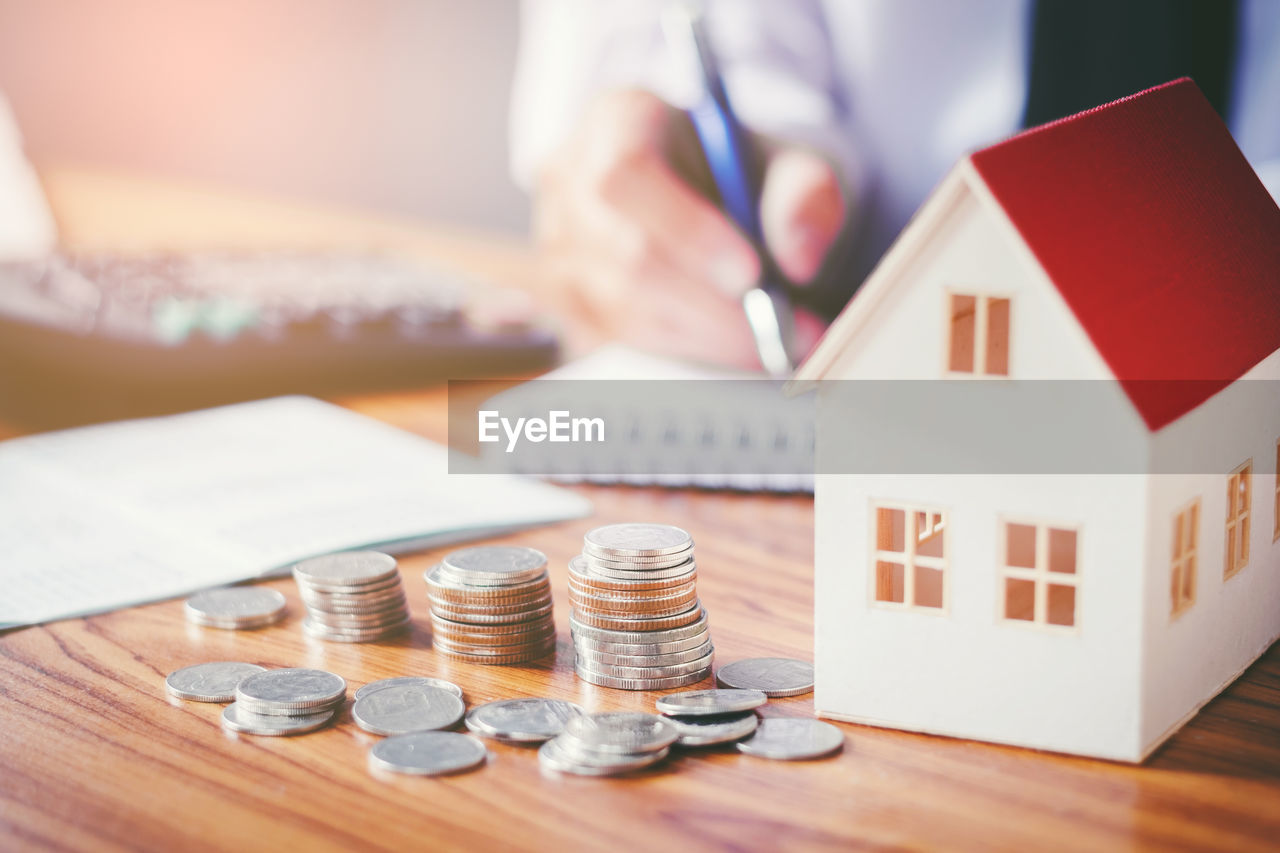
[637,623]
[285,702]
[352,597]
[235,607]
[492,604]
[608,744]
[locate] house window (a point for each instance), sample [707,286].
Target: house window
[1239,487]
[979,335]
[910,557]
[1039,573]
[1182,575]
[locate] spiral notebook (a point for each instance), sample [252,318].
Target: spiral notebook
[727,434]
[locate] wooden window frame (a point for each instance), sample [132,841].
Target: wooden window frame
[1242,519]
[1040,575]
[981,306]
[909,558]
[1184,557]
[1275,536]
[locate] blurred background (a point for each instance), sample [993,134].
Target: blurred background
[398,106]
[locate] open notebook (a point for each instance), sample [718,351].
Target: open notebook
[684,425]
[102,517]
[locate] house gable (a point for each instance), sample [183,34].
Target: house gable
[961,242]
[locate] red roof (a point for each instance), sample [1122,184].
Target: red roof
[1159,236]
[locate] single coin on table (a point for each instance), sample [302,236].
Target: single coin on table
[237,719]
[407,708]
[709,702]
[710,731]
[522,720]
[427,753]
[423,680]
[235,607]
[775,677]
[792,739]
[209,682]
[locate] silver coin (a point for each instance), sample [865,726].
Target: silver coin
[235,718]
[793,738]
[209,682]
[427,753]
[407,708]
[661,635]
[440,579]
[522,720]
[710,731]
[626,732]
[675,670]
[772,676]
[495,562]
[637,539]
[347,591]
[235,606]
[640,683]
[350,568]
[293,690]
[352,635]
[423,680]
[564,756]
[596,658]
[641,566]
[698,703]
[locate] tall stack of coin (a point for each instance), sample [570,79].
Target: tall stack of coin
[352,597]
[637,623]
[492,604]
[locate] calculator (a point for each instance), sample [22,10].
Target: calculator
[99,336]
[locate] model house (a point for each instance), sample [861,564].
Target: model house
[1127,259]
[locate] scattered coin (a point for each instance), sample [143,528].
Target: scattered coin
[709,730]
[522,720]
[636,621]
[427,753]
[235,607]
[293,691]
[352,597]
[409,679]
[625,732]
[235,718]
[407,708]
[492,605]
[209,682]
[563,756]
[773,676]
[711,702]
[792,738]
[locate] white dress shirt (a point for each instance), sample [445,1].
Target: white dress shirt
[896,91]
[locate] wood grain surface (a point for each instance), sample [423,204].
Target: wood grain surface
[93,755]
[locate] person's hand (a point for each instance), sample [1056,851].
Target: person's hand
[649,259]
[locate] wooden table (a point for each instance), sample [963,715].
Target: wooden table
[93,755]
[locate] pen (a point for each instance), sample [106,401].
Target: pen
[725,145]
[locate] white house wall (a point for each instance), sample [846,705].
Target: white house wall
[967,672]
[1190,657]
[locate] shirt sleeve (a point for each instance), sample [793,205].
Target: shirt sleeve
[775,55]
